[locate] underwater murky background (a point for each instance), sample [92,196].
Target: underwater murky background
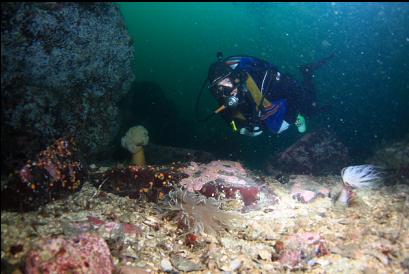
[367,83]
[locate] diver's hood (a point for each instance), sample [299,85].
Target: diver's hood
[218,71]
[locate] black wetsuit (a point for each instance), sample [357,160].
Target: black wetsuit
[274,85]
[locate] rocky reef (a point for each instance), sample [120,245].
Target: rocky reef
[86,253]
[150,183]
[194,233]
[223,179]
[54,173]
[394,157]
[318,153]
[64,68]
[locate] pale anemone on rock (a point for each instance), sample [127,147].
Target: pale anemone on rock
[362,176]
[358,177]
[133,141]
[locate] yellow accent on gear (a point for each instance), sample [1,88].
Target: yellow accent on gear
[255,92]
[221,108]
[233,125]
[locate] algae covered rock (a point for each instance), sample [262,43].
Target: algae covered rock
[394,157]
[318,153]
[54,173]
[86,253]
[64,68]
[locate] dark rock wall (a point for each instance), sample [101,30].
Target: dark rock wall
[318,153]
[64,67]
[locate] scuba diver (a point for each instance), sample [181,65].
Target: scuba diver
[255,96]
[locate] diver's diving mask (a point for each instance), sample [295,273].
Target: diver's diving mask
[227,90]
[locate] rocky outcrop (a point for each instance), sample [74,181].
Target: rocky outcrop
[85,253]
[64,67]
[317,153]
[394,156]
[53,174]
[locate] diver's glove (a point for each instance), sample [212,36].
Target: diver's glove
[255,131]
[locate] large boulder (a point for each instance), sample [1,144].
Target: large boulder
[53,174]
[227,179]
[394,156]
[317,153]
[64,67]
[85,253]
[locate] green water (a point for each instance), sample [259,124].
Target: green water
[367,83]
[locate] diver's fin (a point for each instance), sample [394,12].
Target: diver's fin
[301,124]
[311,68]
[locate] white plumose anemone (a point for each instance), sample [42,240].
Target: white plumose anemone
[362,176]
